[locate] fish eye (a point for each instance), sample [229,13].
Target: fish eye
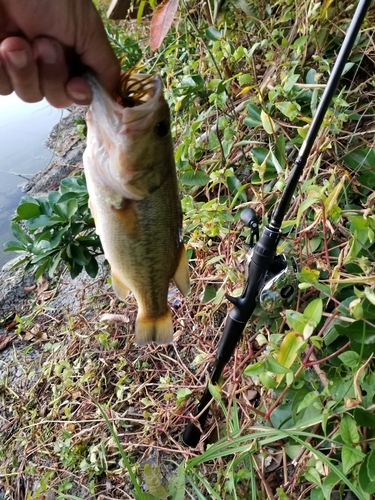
[162,128]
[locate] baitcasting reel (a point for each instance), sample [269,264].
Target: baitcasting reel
[278,289]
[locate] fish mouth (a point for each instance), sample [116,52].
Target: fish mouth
[136,89]
[136,97]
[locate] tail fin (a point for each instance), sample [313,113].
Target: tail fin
[159,330]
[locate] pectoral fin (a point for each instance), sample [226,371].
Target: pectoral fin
[118,286]
[181,276]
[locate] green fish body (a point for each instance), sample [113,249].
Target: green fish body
[134,199]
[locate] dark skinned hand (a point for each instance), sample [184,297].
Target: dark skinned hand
[41,42]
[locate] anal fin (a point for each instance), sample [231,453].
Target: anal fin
[159,330]
[118,286]
[181,276]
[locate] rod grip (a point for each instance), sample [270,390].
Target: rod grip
[191,435]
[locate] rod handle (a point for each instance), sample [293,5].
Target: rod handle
[191,435]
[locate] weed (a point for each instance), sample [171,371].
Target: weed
[293,416]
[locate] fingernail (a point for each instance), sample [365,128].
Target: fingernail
[18,58]
[79,96]
[49,54]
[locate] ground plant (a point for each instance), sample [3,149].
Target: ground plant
[294,416]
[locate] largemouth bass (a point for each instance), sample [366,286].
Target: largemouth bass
[133,191]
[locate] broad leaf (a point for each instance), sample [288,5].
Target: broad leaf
[296,320]
[28,210]
[274,366]
[176,487]
[348,430]
[367,485]
[288,351]
[364,418]
[254,369]
[153,480]
[267,122]
[161,22]
[313,312]
[350,456]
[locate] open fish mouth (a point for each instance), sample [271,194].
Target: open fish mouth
[136,89]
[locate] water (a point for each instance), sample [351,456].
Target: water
[23,130]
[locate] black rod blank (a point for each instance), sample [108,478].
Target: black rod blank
[333,81]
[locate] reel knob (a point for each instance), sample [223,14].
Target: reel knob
[250,218]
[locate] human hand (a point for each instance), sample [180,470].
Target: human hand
[40,43]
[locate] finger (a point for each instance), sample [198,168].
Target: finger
[5,86]
[53,71]
[95,51]
[79,90]
[21,68]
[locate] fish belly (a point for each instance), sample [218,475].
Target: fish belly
[142,243]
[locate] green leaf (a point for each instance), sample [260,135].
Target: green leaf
[367,485]
[296,320]
[41,221]
[234,186]
[54,264]
[28,210]
[267,122]
[314,311]
[289,109]
[20,234]
[307,203]
[370,295]
[357,332]
[371,465]
[361,158]
[197,178]
[66,208]
[92,267]
[75,269]
[209,294]
[350,456]
[308,331]
[254,369]
[215,391]
[73,184]
[274,366]
[214,34]
[53,196]
[78,254]
[350,358]
[309,398]
[41,269]
[313,476]
[364,418]
[253,118]
[348,430]
[14,246]
[176,487]
[280,150]
[182,394]
[245,79]
[288,351]
[152,477]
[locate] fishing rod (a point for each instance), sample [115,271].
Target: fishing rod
[270,276]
